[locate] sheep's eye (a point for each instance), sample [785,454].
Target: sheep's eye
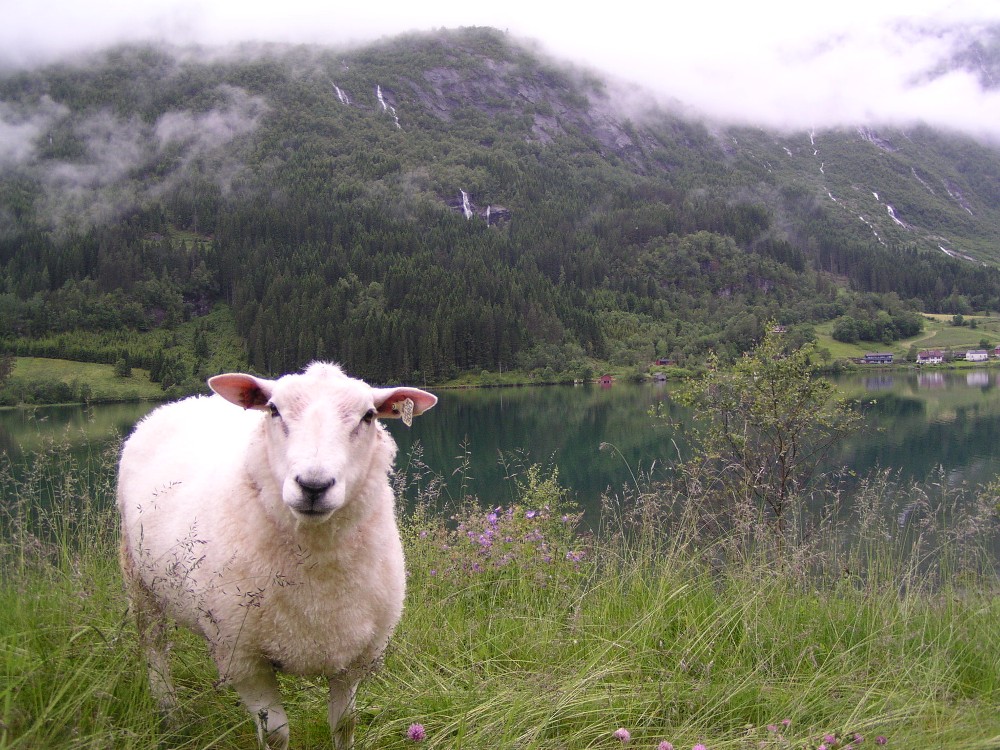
[369,416]
[274,410]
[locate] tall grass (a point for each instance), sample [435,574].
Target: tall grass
[522,631]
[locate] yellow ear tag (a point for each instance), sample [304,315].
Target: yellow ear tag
[407,415]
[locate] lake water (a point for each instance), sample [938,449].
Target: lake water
[915,424]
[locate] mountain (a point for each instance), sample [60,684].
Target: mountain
[455,201]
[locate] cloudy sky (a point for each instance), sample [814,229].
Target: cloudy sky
[776,62]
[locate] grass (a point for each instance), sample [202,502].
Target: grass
[104,384]
[522,632]
[938,333]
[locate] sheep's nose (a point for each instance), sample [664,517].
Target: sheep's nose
[314,488]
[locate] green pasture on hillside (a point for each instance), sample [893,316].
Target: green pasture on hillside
[938,333]
[104,384]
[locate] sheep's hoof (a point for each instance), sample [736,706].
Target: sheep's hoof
[271,738]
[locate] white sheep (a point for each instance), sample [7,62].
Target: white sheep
[271,531]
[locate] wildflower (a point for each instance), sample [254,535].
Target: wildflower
[822,747]
[665,746]
[416,732]
[530,514]
[786,723]
[492,518]
[423,533]
[772,727]
[880,740]
[858,737]
[699,746]
[622,734]
[829,738]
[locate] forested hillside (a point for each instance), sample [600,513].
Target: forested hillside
[452,202]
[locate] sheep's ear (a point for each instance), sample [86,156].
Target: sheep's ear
[242,390]
[390,401]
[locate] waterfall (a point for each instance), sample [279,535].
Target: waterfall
[341,95]
[488,215]
[466,206]
[387,107]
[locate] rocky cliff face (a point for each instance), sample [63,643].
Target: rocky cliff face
[554,101]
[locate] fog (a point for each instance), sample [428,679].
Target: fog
[778,64]
[96,180]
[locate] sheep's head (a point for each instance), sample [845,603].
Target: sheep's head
[323,437]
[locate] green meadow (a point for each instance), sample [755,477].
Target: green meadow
[524,630]
[102,382]
[938,333]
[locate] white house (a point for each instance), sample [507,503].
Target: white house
[977,355]
[932,357]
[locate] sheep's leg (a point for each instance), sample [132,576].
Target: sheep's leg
[341,710]
[151,624]
[260,695]
[155,644]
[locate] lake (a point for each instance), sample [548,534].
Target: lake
[915,423]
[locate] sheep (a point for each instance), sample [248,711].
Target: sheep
[269,530]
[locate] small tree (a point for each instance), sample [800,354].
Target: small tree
[6,368]
[768,423]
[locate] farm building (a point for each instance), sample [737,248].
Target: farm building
[877,358]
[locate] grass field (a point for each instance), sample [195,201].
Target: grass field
[550,640]
[104,384]
[938,333]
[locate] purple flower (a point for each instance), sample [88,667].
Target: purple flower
[786,722]
[492,518]
[530,514]
[772,727]
[665,746]
[880,740]
[829,738]
[858,737]
[822,747]
[416,733]
[622,734]
[699,746]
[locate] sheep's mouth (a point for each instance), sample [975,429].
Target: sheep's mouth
[312,513]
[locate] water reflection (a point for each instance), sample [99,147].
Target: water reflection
[916,423]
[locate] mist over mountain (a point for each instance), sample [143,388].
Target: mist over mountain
[451,201]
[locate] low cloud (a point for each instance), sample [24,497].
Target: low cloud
[22,127]
[778,63]
[108,174]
